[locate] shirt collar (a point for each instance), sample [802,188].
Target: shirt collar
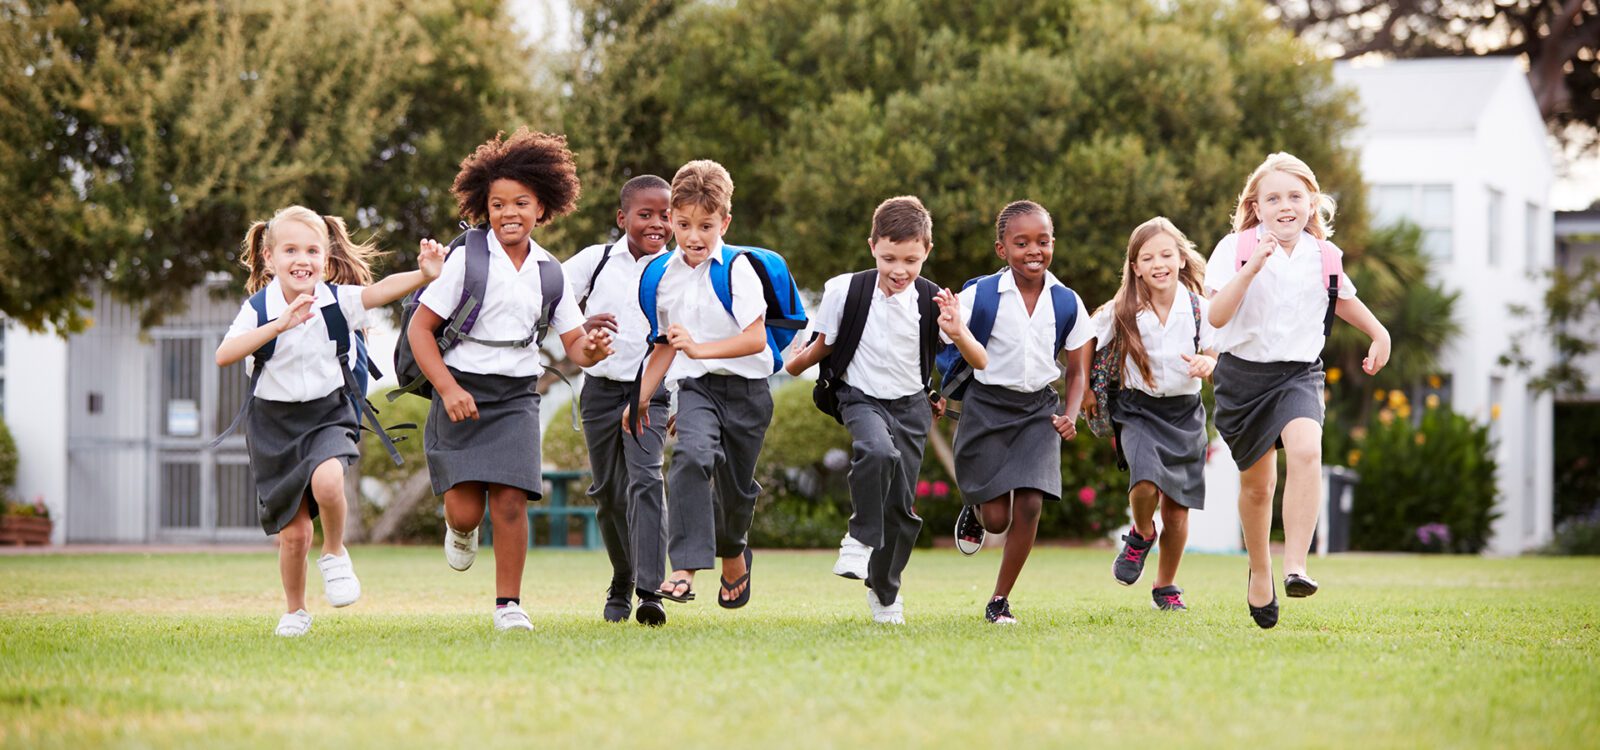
[536,253]
[1008,281]
[906,299]
[276,304]
[620,247]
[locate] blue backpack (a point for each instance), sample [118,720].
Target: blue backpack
[785,316]
[356,378]
[954,372]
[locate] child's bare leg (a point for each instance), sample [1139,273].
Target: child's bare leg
[294,541]
[1026,506]
[463,506]
[1143,499]
[509,506]
[995,515]
[327,486]
[1174,535]
[1256,485]
[1302,491]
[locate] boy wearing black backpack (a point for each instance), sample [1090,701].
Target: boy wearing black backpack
[876,336]
[627,489]
[729,311]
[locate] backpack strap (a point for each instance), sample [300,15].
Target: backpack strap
[605,255]
[852,322]
[1245,247]
[649,285]
[985,306]
[1065,308]
[552,287]
[928,325]
[1194,307]
[1332,269]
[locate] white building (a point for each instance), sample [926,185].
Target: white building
[1458,147]
[1577,237]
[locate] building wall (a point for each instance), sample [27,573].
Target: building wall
[35,403]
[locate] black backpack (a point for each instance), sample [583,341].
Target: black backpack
[456,328]
[853,321]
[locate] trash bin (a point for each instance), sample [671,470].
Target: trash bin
[1333,528]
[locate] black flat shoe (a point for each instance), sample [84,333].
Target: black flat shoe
[651,613]
[1266,617]
[1298,586]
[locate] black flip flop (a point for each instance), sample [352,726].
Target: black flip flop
[686,596]
[744,580]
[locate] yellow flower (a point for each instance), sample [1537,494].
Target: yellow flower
[1435,382]
[1421,438]
[1385,416]
[1432,401]
[1358,433]
[1403,410]
[1494,412]
[1380,395]
[1397,398]
[1354,457]
[1334,374]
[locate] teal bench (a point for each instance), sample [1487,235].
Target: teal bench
[555,508]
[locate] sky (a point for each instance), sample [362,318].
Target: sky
[548,23]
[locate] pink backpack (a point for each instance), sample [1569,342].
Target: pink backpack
[1332,269]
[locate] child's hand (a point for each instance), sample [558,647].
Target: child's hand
[602,321]
[644,418]
[1377,356]
[430,259]
[938,405]
[949,313]
[1091,405]
[678,338]
[672,425]
[1264,250]
[1200,366]
[459,405]
[597,344]
[299,312]
[1066,427]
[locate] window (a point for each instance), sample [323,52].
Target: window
[1496,204]
[1430,207]
[1533,229]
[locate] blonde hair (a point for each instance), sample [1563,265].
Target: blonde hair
[348,262]
[1322,205]
[1134,294]
[704,184]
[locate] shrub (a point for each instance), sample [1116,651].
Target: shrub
[1428,487]
[8,460]
[1579,535]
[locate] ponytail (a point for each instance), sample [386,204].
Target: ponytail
[253,256]
[348,262]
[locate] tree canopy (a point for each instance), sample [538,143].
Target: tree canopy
[1105,112]
[141,138]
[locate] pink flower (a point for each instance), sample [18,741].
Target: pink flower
[1086,496]
[941,489]
[922,488]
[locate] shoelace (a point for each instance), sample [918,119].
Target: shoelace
[970,528]
[1172,600]
[1133,554]
[999,608]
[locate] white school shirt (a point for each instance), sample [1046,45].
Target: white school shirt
[686,297]
[616,291]
[1165,345]
[1020,356]
[512,300]
[1280,317]
[305,362]
[888,362]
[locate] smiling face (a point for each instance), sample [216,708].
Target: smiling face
[697,231]
[298,257]
[899,263]
[1157,262]
[1283,205]
[513,212]
[644,220]
[1027,246]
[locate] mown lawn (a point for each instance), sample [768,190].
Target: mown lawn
[175,650]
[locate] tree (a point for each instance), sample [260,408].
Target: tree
[1106,113]
[142,138]
[1559,38]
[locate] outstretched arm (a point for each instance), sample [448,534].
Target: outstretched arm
[811,354]
[430,259]
[234,349]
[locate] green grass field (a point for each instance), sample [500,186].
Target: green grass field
[173,650]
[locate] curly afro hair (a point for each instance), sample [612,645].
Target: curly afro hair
[538,160]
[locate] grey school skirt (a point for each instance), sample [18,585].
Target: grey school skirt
[1256,400]
[1164,441]
[500,447]
[1005,442]
[287,441]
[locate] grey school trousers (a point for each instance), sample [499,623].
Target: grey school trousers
[627,487]
[887,438]
[711,487]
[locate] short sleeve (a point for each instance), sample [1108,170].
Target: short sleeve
[966,298]
[580,267]
[1220,269]
[355,313]
[830,312]
[442,295]
[243,323]
[1082,327]
[1347,288]
[1208,334]
[1105,327]
[749,302]
[567,316]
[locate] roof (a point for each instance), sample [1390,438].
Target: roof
[1434,95]
[1577,223]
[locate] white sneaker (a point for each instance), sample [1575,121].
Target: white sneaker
[460,549]
[294,624]
[894,614]
[339,582]
[511,617]
[853,556]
